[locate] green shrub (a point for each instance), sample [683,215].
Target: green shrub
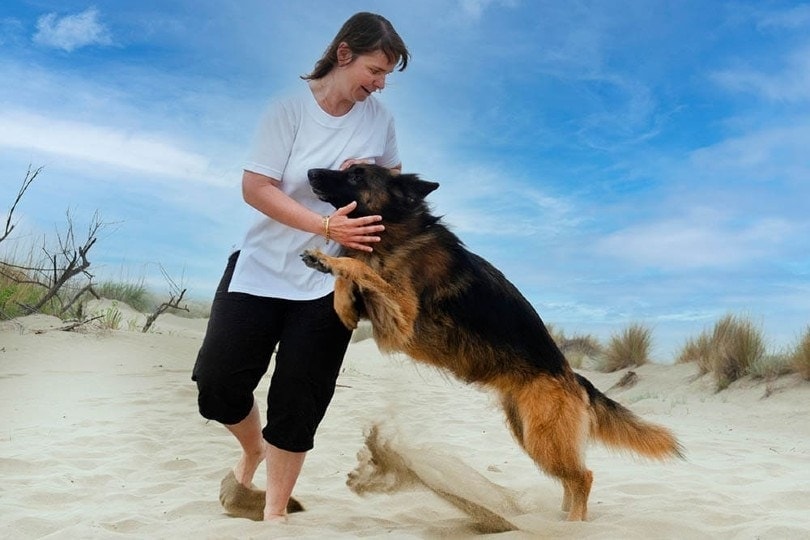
[132,294]
[771,366]
[15,296]
[111,317]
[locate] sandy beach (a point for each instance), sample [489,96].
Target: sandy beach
[100,438]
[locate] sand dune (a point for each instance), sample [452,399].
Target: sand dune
[100,438]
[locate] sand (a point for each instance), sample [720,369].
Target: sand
[100,438]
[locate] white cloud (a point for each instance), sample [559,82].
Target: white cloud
[142,152]
[795,17]
[487,201]
[703,239]
[769,154]
[72,31]
[790,84]
[474,9]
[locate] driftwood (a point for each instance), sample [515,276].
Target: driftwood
[628,380]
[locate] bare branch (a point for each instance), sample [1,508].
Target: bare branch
[175,297]
[69,260]
[30,176]
[71,326]
[87,288]
[57,270]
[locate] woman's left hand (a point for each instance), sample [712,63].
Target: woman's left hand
[356,233]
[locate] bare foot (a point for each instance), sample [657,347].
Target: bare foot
[245,469]
[275,518]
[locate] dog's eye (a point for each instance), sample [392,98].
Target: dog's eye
[354,178]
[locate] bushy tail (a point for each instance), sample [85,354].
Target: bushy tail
[618,427]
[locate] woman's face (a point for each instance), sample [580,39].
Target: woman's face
[366,74]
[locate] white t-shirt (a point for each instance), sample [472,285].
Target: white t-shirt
[293,136]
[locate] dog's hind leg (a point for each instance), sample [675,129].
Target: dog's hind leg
[513,418]
[554,429]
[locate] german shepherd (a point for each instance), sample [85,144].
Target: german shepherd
[429,297]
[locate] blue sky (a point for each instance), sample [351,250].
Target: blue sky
[622,162]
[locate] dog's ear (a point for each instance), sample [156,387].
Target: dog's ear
[426,187]
[417,188]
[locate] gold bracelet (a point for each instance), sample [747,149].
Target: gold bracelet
[326,228]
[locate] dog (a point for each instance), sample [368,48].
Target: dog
[431,298]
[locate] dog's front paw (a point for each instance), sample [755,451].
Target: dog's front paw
[313,259]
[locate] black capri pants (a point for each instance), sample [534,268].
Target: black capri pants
[242,333]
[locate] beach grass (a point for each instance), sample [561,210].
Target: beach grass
[733,348]
[697,350]
[581,348]
[800,359]
[771,366]
[739,344]
[630,347]
[21,287]
[132,294]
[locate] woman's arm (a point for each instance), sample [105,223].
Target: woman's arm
[264,194]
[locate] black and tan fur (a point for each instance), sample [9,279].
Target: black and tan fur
[429,297]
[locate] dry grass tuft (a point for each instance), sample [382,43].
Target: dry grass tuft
[737,345]
[800,359]
[557,334]
[734,348]
[771,366]
[580,348]
[576,349]
[697,350]
[630,348]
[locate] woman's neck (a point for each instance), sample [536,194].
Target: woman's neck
[329,97]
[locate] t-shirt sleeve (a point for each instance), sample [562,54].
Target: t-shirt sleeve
[273,140]
[390,156]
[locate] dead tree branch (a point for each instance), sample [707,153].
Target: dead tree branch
[86,289]
[73,325]
[175,297]
[30,176]
[68,260]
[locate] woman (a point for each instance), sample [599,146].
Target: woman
[267,296]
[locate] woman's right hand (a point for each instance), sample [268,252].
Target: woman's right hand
[356,161]
[355,233]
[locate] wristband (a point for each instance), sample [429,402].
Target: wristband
[326,228]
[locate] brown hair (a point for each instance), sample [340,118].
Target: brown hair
[364,33]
